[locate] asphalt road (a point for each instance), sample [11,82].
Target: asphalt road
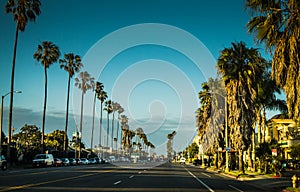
[129,177]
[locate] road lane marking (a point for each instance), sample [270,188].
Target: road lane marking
[206,186]
[116,183]
[235,188]
[131,176]
[18,187]
[207,175]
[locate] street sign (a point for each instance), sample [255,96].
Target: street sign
[227,148]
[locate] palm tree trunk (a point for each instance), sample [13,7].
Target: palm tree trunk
[67,117]
[93,123]
[258,120]
[81,117]
[112,131]
[12,82]
[45,106]
[241,162]
[263,124]
[107,131]
[118,127]
[100,133]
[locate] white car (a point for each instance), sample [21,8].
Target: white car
[43,160]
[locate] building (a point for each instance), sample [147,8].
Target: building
[285,132]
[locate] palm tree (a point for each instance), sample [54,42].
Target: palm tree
[241,70]
[71,64]
[120,110]
[276,24]
[99,87]
[22,11]
[108,108]
[170,144]
[115,107]
[47,53]
[102,96]
[124,127]
[84,83]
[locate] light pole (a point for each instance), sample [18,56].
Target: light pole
[1,120]
[226,133]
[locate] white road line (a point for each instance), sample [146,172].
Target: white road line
[116,183]
[235,188]
[207,175]
[207,187]
[131,176]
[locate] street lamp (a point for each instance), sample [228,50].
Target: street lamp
[1,119]
[226,133]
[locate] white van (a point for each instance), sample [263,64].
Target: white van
[43,160]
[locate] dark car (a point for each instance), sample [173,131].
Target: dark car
[73,161]
[58,162]
[3,163]
[65,161]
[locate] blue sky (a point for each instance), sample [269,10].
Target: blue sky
[151,56]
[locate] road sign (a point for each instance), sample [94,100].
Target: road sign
[227,148]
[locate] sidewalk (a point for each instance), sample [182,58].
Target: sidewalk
[264,181]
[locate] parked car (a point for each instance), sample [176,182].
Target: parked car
[78,161]
[92,161]
[43,160]
[58,162]
[84,161]
[73,161]
[65,161]
[3,163]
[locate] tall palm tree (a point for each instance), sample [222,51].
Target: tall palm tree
[84,83]
[47,53]
[276,24]
[108,108]
[124,127]
[241,69]
[71,64]
[102,96]
[120,110]
[99,87]
[22,12]
[115,107]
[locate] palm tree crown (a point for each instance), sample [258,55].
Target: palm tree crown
[23,10]
[276,24]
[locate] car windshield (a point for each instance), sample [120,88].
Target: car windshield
[40,157]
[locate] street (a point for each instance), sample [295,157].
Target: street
[133,177]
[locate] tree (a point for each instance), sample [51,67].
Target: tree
[22,11]
[99,87]
[71,64]
[108,108]
[102,96]
[120,111]
[295,152]
[28,142]
[241,68]
[84,83]
[124,127]
[276,24]
[55,140]
[170,144]
[47,53]
[115,107]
